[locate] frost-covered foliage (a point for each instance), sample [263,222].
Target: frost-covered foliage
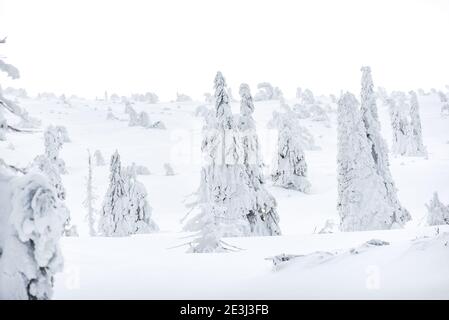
[399,124]
[110,115]
[363,200]
[444,103]
[438,213]
[53,145]
[141,170]
[16,92]
[416,145]
[31,256]
[262,214]
[221,196]
[89,202]
[10,70]
[267,92]
[3,126]
[98,158]
[168,169]
[180,97]
[125,208]
[378,147]
[290,170]
[406,124]
[151,97]
[307,97]
[208,98]
[50,165]
[63,133]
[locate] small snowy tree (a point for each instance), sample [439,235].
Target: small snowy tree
[290,170]
[31,256]
[168,169]
[438,213]
[379,151]
[98,158]
[53,145]
[416,141]
[399,125]
[139,211]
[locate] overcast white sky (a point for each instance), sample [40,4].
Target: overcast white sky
[88,46]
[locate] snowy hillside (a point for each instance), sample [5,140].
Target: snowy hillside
[413,264]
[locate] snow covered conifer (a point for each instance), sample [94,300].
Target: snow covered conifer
[98,158]
[139,211]
[379,151]
[290,170]
[438,213]
[114,214]
[399,125]
[416,142]
[168,169]
[31,256]
[262,214]
[3,126]
[53,145]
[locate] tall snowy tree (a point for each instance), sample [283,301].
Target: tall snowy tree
[31,256]
[417,147]
[262,214]
[379,151]
[114,214]
[222,200]
[89,202]
[363,201]
[290,170]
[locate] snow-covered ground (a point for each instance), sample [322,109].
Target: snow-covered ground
[414,265]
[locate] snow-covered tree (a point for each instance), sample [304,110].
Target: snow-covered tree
[63,133]
[30,255]
[444,104]
[290,170]
[438,213]
[180,97]
[89,202]
[399,125]
[267,92]
[139,210]
[115,205]
[125,208]
[307,97]
[53,145]
[262,214]
[362,198]
[221,196]
[379,151]
[416,145]
[98,158]
[168,169]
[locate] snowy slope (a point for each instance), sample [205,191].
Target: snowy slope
[144,267]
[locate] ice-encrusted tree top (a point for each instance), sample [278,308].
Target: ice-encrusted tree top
[246,100]
[368,96]
[10,70]
[223,110]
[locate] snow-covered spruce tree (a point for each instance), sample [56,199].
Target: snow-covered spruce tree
[89,202]
[363,202]
[139,211]
[53,145]
[98,158]
[114,220]
[379,151]
[438,213]
[444,104]
[262,214]
[168,169]
[31,255]
[222,200]
[416,145]
[399,126]
[290,170]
